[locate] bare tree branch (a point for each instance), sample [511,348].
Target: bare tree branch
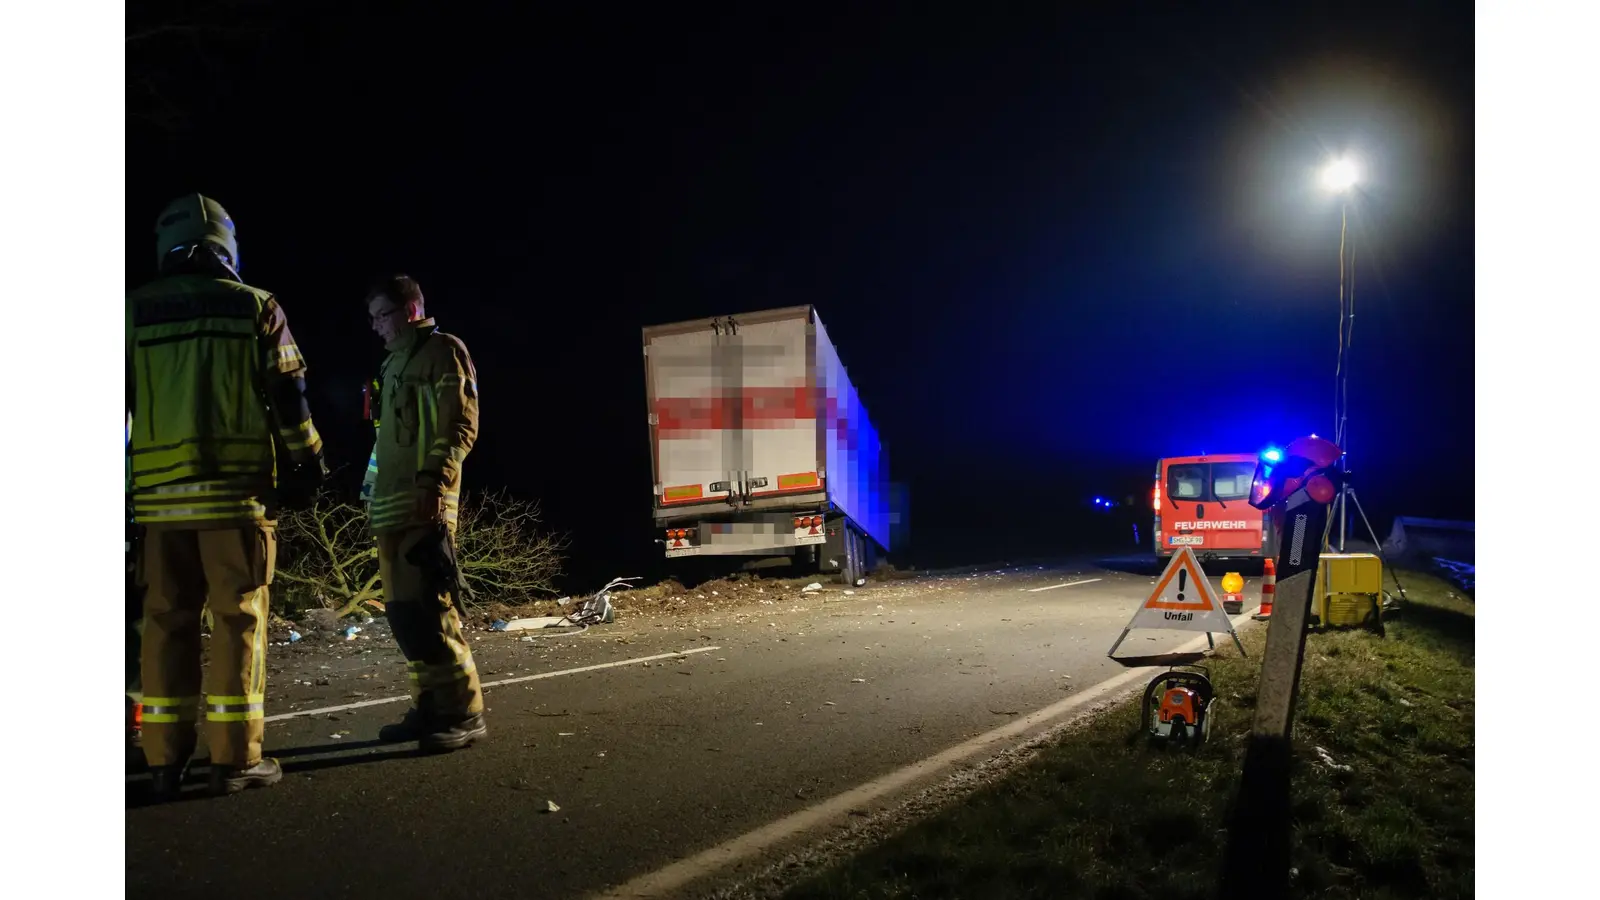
[328,559]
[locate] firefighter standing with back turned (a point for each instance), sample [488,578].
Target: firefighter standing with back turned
[215,382]
[427,422]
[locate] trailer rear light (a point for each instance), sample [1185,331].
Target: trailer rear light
[816,521]
[1155,498]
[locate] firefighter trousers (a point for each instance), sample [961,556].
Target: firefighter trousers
[134,614]
[187,570]
[444,679]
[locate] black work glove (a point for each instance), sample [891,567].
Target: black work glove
[299,486]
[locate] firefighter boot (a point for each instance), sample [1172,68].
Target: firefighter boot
[166,782]
[447,735]
[227,780]
[413,727]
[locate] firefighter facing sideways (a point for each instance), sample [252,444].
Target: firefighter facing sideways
[216,386]
[427,422]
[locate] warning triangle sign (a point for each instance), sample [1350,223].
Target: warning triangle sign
[1183,600]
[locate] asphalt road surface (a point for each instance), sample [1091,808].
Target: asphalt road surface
[701,730]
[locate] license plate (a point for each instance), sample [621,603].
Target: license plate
[1186,540]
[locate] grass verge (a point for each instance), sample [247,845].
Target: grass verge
[1383,809]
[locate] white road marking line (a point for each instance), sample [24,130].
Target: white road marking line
[1065,584]
[663,882]
[489,684]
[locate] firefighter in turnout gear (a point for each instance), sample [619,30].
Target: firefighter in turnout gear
[216,386]
[427,421]
[133,595]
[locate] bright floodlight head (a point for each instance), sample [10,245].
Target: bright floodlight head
[1339,176]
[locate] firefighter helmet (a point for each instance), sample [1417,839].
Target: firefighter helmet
[192,220]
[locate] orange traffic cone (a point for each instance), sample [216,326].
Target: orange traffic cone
[1269,589]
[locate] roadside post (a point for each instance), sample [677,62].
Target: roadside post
[1296,485]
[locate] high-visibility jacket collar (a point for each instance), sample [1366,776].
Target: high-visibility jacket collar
[410,335]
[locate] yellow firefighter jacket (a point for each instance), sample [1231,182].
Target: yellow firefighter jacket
[428,421]
[204,355]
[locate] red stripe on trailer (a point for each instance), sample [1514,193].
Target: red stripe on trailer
[753,408]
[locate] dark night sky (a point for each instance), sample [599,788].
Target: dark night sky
[1051,246]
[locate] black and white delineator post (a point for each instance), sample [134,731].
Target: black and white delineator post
[1296,485]
[1183,600]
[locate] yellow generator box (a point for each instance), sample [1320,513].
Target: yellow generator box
[1350,586]
[1351,573]
[1349,610]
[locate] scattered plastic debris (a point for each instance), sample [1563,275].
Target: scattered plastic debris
[336,736]
[565,733]
[811,588]
[532,623]
[858,681]
[1327,760]
[498,625]
[597,610]
[550,806]
[849,593]
[294,636]
[351,631]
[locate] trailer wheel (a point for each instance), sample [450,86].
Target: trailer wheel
[847,537]
[869,556]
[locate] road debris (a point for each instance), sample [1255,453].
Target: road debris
[1327,760]
[532,623]
[294,636]
[811,588]
[551,807]
[351,631]
[858,681]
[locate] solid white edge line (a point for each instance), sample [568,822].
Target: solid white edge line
[675,876]
[504,681]
[1066,584]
